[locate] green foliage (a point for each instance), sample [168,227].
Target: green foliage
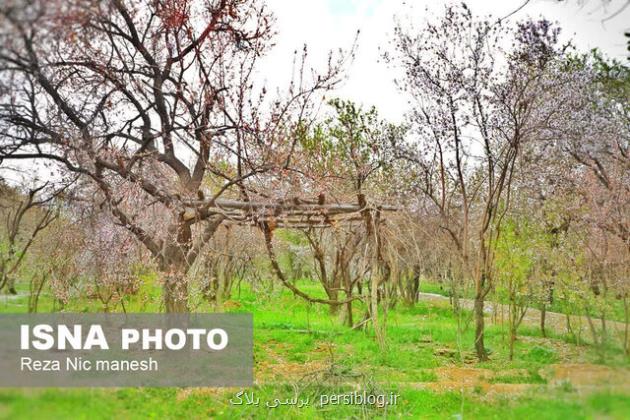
[613,76]
[541,354]
[515,254]
[291,236]
[353,144]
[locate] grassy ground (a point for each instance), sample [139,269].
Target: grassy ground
[303,352]
[614,307]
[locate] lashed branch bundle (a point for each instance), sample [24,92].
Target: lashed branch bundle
[294,213]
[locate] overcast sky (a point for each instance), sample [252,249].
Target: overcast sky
[330,24]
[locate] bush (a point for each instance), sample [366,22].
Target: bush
[541,354]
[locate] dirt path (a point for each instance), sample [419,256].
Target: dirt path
[553,320]
[582,378]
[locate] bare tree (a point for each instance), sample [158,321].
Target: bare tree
[25,217]
[474,104]
[154,95]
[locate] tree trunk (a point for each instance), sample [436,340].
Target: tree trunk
[479,328]
[569,327]
[10,284]
[175,294]
[347,284]
[543,316]
[374,283]
[626,318]
[415,287]
[349,320]
[512,341]
[35,291]
[333,294]
[174,266]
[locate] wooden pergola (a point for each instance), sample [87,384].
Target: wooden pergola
[294,213]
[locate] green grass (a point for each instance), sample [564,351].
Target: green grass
[530,377]
[292,337]
[541,354]
[173,404]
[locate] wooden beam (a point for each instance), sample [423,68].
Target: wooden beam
[252,206]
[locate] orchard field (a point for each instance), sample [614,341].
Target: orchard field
[300,352]
[454,232]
